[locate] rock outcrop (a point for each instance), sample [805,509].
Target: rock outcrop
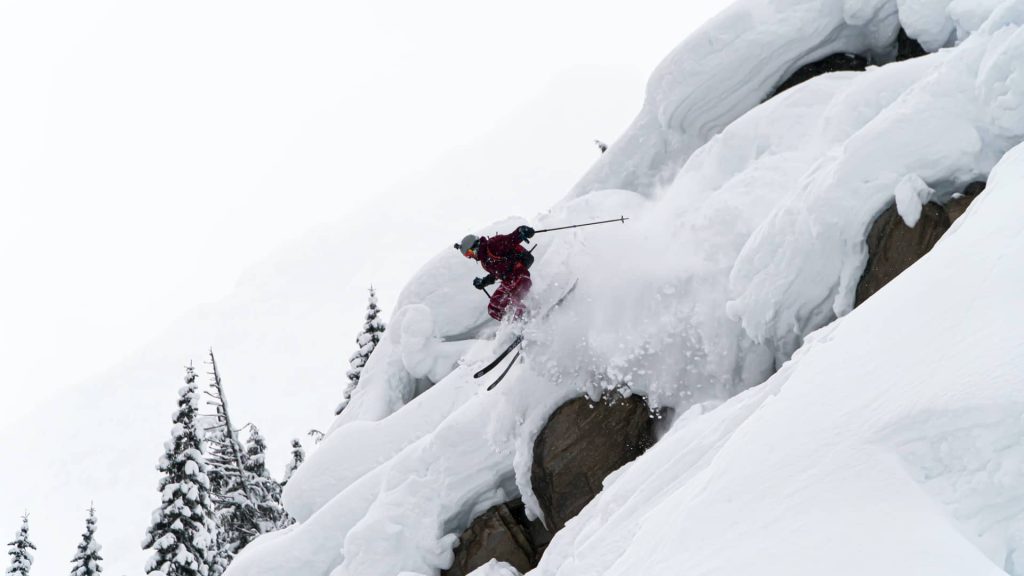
[907,47]
[580,445]
[833,63]
[893,246]
[959,204]
[502,533]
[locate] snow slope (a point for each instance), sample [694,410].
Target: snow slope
[887,446]
[891,445]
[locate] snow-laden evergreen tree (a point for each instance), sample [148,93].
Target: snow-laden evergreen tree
[247,498]
[87,559]
[20,551]
[222,554]
[267,490]
[182,535]
[316,435]
[298,457]
[233,496]
[367,340]
[250,503]
[212,433]
[218,474]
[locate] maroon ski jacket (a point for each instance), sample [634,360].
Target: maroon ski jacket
[504,257]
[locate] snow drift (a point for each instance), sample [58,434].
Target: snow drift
[887,446]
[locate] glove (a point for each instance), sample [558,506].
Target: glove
[481,283]
[525,232]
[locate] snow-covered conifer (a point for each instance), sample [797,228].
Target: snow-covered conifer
[247,497]
[250,501]
[183,532]
[298,457]
[233,496]
[267,491]
[87,559]
[367,340]
[213,436]
[222,555]
[316,435]
[20,551]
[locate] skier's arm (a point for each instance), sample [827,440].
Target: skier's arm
[507,243]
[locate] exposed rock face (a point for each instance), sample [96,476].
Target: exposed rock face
[907,47]
[580,445]
[893,246]
[833,63]
[502,533]
[957,206]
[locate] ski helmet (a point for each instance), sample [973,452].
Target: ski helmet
[467,244]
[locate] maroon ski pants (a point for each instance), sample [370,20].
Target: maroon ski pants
[508,298]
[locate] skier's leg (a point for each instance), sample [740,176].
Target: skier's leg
[518,289]
[499,301]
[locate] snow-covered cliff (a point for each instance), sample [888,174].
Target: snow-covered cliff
[887,445]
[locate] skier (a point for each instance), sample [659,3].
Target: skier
[504,259]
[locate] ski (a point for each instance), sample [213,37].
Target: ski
[572,287]
[500,357]
[519,339]
[505,371]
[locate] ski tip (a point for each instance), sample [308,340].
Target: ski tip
[505,371]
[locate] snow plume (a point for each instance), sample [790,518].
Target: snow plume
[747,235]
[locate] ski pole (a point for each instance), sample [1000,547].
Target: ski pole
[619,219]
